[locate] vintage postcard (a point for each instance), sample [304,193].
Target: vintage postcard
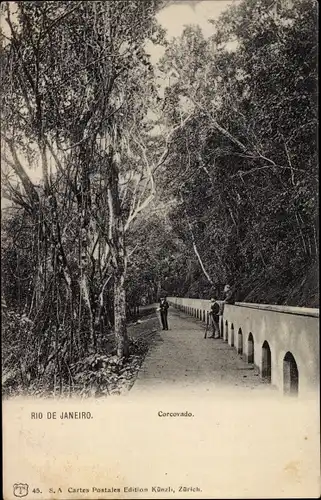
[159,249]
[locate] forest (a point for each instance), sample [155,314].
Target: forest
[123,180]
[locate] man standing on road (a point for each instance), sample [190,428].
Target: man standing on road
[215,319]
[163,306]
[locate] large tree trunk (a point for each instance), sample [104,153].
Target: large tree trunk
[120,313]
[84,207]
[85,293]
[118,255]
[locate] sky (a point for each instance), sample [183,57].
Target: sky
[180,13]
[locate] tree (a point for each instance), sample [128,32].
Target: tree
[247,160]
[75,110]
[81,112]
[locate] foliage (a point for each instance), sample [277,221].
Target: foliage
[245,165]
[98,374]
[78,114]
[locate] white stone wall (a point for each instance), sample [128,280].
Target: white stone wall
[285,329]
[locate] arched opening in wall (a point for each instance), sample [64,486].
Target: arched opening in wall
[240,341]
[225,337]
[290,375]
[232,336]
[266,362]
[250,348]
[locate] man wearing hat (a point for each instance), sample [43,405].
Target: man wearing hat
[215,318]
[163,306]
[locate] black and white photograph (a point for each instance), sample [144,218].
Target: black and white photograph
[160,249]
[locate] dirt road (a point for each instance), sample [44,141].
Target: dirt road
[181,358]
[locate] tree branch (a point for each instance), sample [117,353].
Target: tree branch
[19,170]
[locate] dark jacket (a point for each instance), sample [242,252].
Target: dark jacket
[163,305]
[230,297]
[215,311]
